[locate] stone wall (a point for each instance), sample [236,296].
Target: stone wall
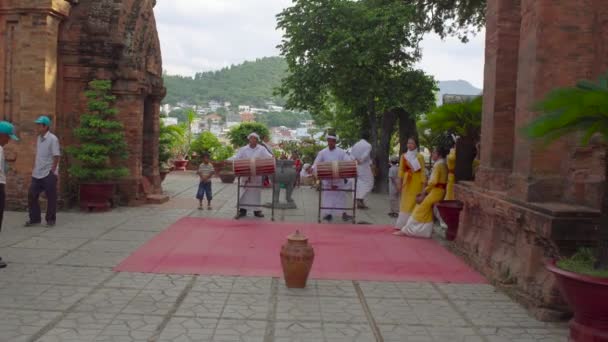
[531,202]
[53,49]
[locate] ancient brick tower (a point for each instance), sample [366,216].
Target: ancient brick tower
[531,202]
[51,49]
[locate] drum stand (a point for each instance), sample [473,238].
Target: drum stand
[238,197]
[353,208]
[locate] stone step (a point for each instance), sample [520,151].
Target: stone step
[157,199]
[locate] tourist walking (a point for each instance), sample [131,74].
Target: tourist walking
[7,132]
[334,199]
[44,175]
[252,197]
[205,172]
[420,224]
[361,152]
[393,186]
[412,178]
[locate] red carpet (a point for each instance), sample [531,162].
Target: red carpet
[251,248]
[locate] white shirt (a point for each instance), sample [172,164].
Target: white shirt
[47,147]
[2,166]
[361,151]
[247,152]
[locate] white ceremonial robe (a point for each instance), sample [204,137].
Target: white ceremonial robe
[332,198]
[251,196]
[361,152]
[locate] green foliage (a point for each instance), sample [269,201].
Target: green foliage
[238,134]
[169,141]
[222,152]
[250,83]
[205,142]
[309,150]
[462,119]
[287,119]
[583,108]
[101,138]
[461,18]
[582,262]
[180,113]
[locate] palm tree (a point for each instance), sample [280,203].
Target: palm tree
[583,109]
[462,119]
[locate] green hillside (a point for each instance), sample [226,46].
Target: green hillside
[250,83]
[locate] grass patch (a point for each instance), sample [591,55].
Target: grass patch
[582,262]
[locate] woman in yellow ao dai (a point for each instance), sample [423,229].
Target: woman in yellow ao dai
[413,177]
[420,224]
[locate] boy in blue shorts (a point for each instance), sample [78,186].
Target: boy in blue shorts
[205,172]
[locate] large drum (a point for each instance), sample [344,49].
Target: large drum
[254,167]
[336,169]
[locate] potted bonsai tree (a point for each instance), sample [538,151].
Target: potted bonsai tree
[101,148]
[183,150]
[583,277]
[223,168]
[170,137]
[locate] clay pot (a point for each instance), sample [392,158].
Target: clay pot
[180,165]
[297,257]
[450,213]
[588,298]
[96,196]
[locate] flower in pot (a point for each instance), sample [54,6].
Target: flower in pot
[582,278]
[102,146]
[223,167]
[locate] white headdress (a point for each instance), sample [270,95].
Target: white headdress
[253,134]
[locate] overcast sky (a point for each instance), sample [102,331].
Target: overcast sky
[202,35]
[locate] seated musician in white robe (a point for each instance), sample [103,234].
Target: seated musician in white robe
[252,197]
[334,199]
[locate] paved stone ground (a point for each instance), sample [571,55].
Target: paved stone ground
[59,286]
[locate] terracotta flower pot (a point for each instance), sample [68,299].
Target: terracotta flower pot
[227,177]
[588,298]
[96,196]
[297,256]
[450,213]
[180,165]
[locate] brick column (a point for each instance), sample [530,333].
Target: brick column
[558,46]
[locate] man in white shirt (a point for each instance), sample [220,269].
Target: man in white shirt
[361,152]
[252,196]
[44,175]
[7,132]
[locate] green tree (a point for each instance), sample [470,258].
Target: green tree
[102,143]
[170,139]
[460,18]
[580,109]
[222,152]
[462,119]
[238,134]
[180,113]
[205,142]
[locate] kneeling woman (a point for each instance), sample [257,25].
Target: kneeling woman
[420,224]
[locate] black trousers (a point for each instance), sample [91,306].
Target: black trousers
[48,185]
[2,200]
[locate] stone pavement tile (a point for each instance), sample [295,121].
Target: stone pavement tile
[92,258]
[298,308]
[128,235]
[472,292]
[78,327]
[10,237]
[84,233]
[309,291]
[152,302]
[56,297]
[15,273]
[378,289]
[342,310]
[13,255]
[181,329]
[130,328]
[336,288]
[413,290]
[21,325]
[392,311]
[403,333]
[456,334]
[112,246]
[246,307]
[298,332]
[203,304]
[68,275]
[106,300]
[497,314]
[18,288]
[555,333]
[63,243]
[70,335]
[344,332]
[130,280]
[171,282]
[240,331]
[436,312]
[214,283]
[257,285]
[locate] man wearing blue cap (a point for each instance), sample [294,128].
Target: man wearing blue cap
[44,175]
[7,132]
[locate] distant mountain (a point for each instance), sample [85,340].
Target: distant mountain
[458,87]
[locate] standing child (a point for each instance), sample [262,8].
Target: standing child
[393,186]
[205,172]
[7,132]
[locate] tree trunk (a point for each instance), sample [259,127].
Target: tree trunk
[389,119]
[602,248]
[465,155]
[407,128]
